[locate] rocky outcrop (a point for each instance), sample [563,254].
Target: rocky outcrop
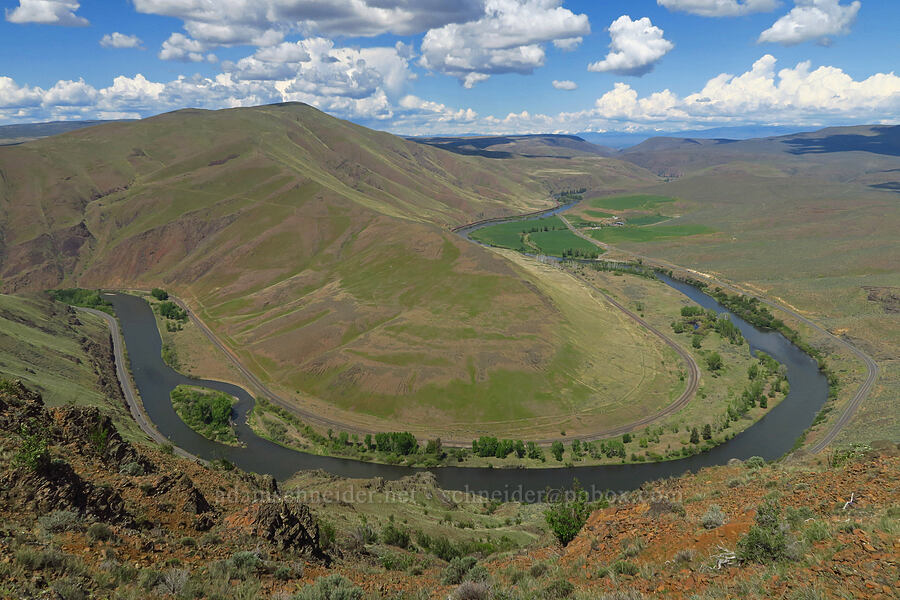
[288,525]
[86,430]
[58,487]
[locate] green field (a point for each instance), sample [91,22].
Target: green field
[208,412]
[557,242]
[599,214]
[629,233]
[636,202]
[509,235]
[639,220]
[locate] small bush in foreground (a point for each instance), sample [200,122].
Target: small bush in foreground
[456,571]
[472,590]
[767,540]
[99,532]
[713,517]
[755,462]
[623,567]
[394,536]
[558,589]
[538,570]
[60,520]
[567,516]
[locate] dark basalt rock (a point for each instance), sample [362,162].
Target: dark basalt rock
[290,526]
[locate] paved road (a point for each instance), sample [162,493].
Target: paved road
[862,392]
[131,396]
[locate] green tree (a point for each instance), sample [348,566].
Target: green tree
[520,449]
[626,438]
[557,449]
[576,447]
[568,514]
[695,341]
[434,447]
[707,432]
[695,436]
[160,294]
[714,361]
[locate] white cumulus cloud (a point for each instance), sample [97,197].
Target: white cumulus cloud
[635,48]
[120,40]
[812,20]
[265,22]
[565,85]
[719,8]
[508,38]
[47,12]
[182,48]
[371,93]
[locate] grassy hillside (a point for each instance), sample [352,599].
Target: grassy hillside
[65,356]
[809,220]
[317,250]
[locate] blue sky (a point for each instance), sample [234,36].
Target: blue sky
[441,66]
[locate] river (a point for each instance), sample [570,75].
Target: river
[770,437]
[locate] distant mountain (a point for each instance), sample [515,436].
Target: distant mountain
[620,139]
[832,153]
[507,146]
[16,134]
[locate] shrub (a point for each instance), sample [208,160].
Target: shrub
[472,590]
[735,482]
[560,588]
[363,535]
[60,520]
[283,573]
[135,469]
[714,361]
[796,516]
[713,517]
[816,531]
[245,561]
[755,462]
[34,453]
[623,567]
[99,532]
[456,571]
[33,559]
[566,517]
[188,542]
[394,536]
[332,587]
[633,547]
[766,541]
[173,581]
[69,589]
[538,570]
[685,555]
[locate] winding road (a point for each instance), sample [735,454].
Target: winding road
[872,369]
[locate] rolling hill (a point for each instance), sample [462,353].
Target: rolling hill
[508,146]
[320,253]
